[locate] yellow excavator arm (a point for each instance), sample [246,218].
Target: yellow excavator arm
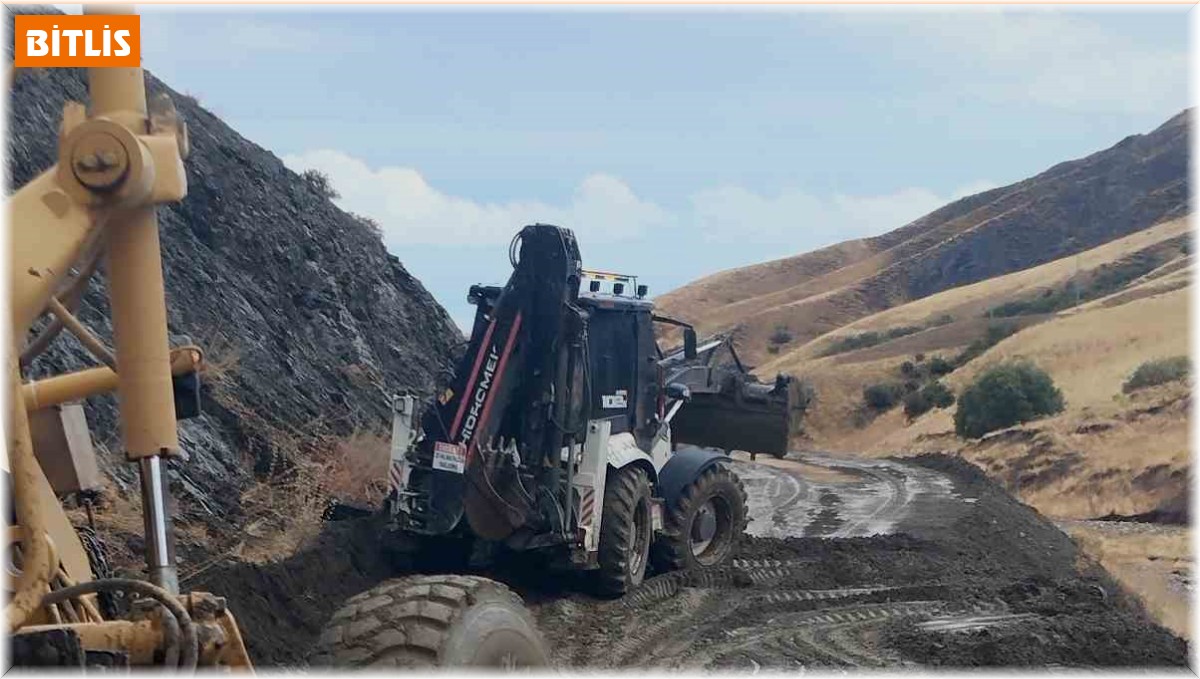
[117,161]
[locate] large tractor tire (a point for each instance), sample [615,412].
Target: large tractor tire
[704,525]
[430,621]
[626,531]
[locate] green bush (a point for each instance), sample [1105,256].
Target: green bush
[915,405]
[1103,281]
[861,340]
[1004,395]
[869,338]
[1156,372]
[1049,302]
[883,395]
[932,395]
[939,366]
[902,331]
[781,335]
[939,394]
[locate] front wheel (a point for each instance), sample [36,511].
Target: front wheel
[626,530]
[705,524]
[430,621]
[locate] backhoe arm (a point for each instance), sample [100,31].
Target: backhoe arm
[515,388]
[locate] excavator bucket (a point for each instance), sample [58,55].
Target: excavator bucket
[729,408]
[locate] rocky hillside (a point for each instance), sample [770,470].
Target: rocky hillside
[309,324]
[1069,208]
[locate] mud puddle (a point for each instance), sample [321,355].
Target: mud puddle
[812,495]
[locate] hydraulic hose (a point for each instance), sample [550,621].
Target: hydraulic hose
[186,646]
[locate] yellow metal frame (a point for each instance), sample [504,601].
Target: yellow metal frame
[115,165]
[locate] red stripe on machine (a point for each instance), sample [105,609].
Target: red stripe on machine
[487,405]
[462,406]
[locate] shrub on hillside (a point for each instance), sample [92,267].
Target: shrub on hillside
[1156,372]
[869,338]
[781,335]
[932,395]
[939,366]
[944,319]
[320,184]
[1004,395]
[861,340]
[902,331]
[883,395]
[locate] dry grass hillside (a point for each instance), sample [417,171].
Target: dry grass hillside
[835,421]
[1072,207]
[1108,455]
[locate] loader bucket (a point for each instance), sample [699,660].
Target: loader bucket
[742,414]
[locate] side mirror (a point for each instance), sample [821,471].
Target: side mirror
[679,392]
[642,291]
[689,343]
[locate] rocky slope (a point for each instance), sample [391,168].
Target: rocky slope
[1071,207]
[309,324]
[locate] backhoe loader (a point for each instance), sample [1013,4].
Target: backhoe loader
[118,159]
[558,436]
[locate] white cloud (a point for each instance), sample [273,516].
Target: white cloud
[410,210]
[605,209]
[1039,56]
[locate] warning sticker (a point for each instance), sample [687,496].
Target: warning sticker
[449,457]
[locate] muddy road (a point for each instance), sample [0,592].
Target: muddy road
[847,563]
[869,563]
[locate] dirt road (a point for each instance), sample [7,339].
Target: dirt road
[869,563]
[821,496]
[848,563]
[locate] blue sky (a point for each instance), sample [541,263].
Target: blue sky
[675,142]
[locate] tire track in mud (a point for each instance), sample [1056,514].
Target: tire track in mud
[744,613]
[872,497]
[847,635]
[912,562]
[787,638]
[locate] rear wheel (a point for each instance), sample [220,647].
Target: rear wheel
[433,621]
[626,531]
[705,524]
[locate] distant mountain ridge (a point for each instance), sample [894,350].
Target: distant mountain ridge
[1073,206]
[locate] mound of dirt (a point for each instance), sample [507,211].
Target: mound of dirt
[1104,639]
[281,607]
